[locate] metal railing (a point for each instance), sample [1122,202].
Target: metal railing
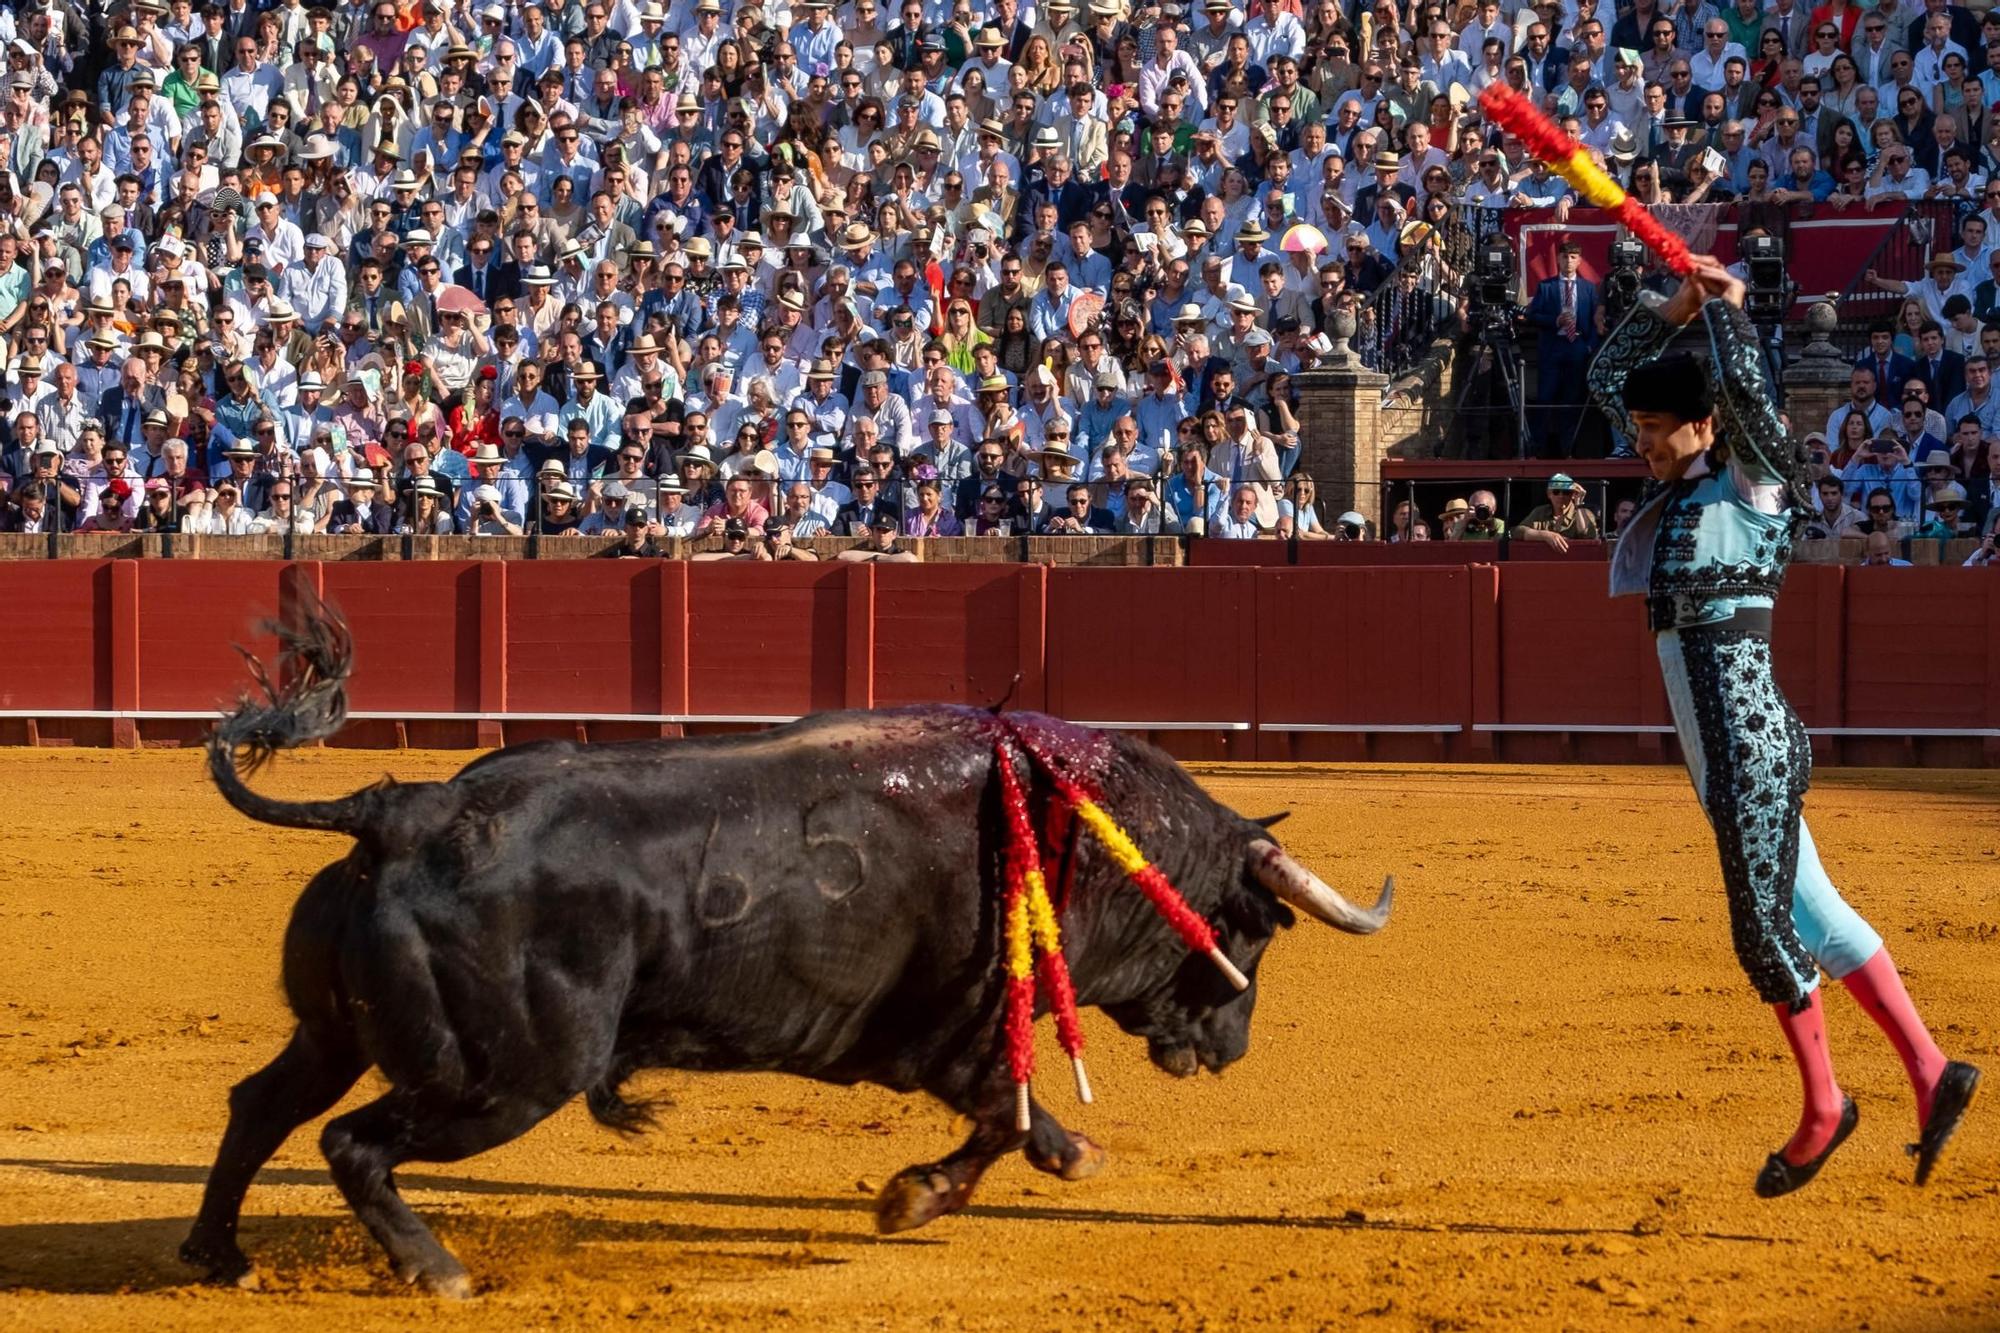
[1928,227]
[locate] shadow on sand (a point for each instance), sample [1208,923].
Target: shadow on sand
[138,1255]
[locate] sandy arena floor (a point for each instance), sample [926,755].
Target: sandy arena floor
[1536,1101]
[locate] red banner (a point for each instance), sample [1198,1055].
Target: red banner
[1825,251]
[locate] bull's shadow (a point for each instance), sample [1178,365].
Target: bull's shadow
[138,1254]
[316,1250]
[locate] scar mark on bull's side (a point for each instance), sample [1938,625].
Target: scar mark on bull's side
[720,899]
[840,867]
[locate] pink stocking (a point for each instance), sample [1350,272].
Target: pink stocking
[1877,988]
[1820,1117]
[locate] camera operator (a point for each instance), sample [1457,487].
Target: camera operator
[487,518]
[1485,524]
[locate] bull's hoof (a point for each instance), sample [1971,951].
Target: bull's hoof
[1080,1159]
[222,1264]
[448,1279]
[913,1197]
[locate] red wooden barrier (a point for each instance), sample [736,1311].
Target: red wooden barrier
[1152,645]
[766,640]
[1916,656]
[1357,647]
[946,633]
[1566,654]
[191,614]
[424,623]
[1218,553]
[1806,643]
[1479,652]
[56,653]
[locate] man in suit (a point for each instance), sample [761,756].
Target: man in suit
[1569,316]
[1941,370]
[1964,30]
[481,274]
[365,511]
[1891,367]
[1546,64]
[905,40]
[1677,150]
[1791,20]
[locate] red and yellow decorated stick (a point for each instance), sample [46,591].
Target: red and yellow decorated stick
[1572,161]
[1196,933]
[1031,926]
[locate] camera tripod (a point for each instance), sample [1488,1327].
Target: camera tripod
[1498,360]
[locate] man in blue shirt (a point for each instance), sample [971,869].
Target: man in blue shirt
[1160,411]
[1048,316]
[1194,492]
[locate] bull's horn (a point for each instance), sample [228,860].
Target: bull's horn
[1293,883]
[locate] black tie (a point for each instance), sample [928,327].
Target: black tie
[479,283]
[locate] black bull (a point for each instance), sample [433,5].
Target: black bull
[822,899]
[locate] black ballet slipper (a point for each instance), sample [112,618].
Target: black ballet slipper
[1779,1177]
[1954,1094]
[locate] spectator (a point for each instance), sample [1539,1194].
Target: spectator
[635,538]
[1481,521]
[1298,511]
[1240,520]
[735,534]
[930,518]
[1947,509]
[1564,519]
[1081,518]
[880,544]
[1885,467]
[1836,518]
[1570,317]
[780,544]
[1881,517]
[1879,548]
[362,511]
[282,515]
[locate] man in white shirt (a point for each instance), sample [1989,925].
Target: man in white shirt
[1896,178]
[316,286]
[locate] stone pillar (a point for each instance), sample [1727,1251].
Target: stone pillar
[1340,429]
[1816,381]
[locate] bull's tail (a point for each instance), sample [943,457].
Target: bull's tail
[307,702]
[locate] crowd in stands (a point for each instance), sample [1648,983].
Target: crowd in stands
[921,268]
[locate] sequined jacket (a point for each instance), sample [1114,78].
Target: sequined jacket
[1719,538]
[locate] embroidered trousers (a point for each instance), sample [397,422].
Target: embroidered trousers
[1750,761]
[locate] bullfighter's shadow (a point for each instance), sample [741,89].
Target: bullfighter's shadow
[137,1255]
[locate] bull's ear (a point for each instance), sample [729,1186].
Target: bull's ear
[1272,821]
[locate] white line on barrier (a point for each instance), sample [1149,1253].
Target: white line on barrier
[1165,726]
[1411,728]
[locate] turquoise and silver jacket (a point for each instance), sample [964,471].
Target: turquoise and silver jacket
[1717,540]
